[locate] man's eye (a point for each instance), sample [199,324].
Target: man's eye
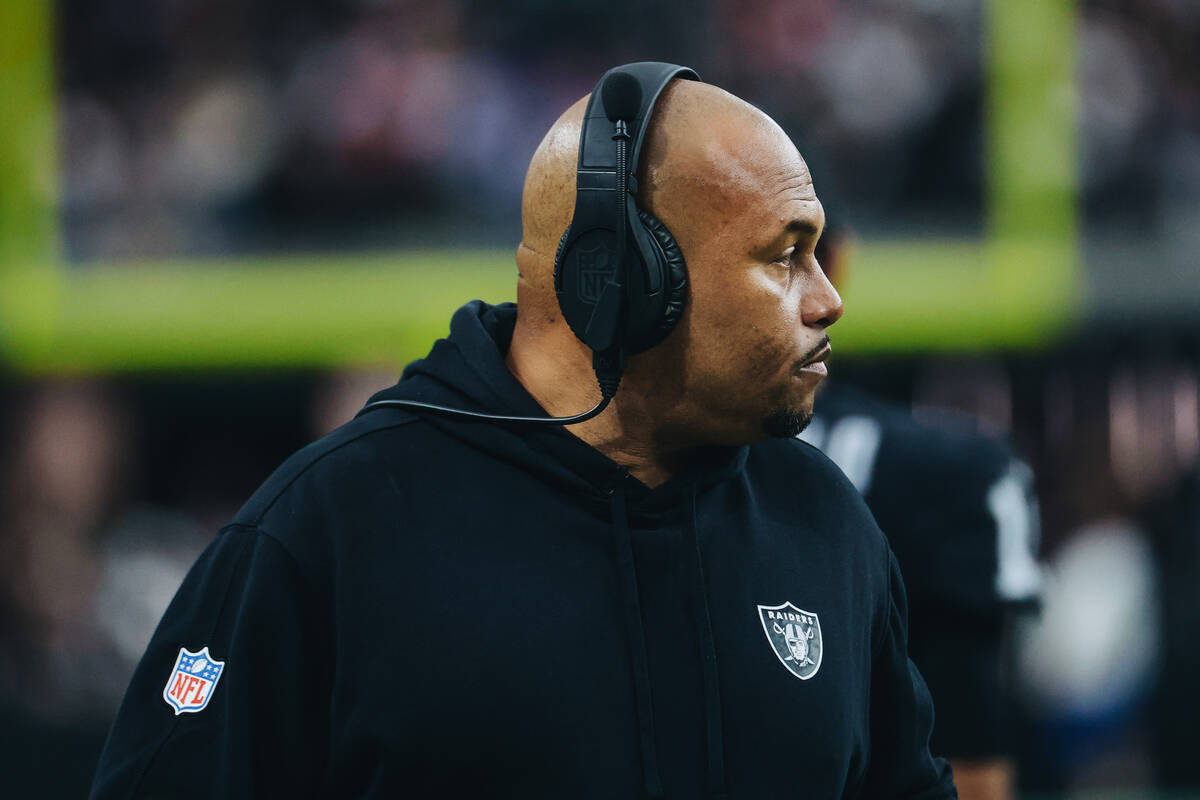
[787,257]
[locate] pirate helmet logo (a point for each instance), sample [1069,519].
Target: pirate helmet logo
[795,637]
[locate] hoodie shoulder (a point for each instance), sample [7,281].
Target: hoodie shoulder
[799,483]
[355,435]
[325,489]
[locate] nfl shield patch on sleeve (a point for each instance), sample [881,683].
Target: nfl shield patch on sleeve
[192,681]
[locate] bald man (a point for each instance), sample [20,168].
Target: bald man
[673,599]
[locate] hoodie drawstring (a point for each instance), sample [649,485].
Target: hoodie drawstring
[708,657]
[637,644]
[714,734]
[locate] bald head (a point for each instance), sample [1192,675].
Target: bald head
[548,201]
[705,149]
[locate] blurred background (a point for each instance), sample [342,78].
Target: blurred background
[224,224]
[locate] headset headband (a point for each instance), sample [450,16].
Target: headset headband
[597,149]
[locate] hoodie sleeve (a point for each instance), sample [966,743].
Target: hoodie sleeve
[231,697]
[901,765]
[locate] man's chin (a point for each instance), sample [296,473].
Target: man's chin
[787,423]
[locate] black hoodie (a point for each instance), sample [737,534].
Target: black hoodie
[416,606]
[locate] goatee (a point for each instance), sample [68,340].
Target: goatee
[787,423]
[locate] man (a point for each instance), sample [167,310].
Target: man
[625,578]
[959,511]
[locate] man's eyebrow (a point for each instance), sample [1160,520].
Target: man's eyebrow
[802,226]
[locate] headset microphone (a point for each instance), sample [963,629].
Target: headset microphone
[622,98]
[619,274]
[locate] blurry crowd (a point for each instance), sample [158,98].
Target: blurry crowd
[246,126]
[249,125]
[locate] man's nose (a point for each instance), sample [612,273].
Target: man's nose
[822,304]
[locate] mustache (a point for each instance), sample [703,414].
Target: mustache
[811,354]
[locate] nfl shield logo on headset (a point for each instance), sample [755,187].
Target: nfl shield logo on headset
[193,681]
[595,269]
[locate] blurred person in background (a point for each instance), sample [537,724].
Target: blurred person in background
[59,677]
[958,508]
[1103,669]
[63,480]
[83,579]
[421,603]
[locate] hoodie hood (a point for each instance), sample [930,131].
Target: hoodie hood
[467,370]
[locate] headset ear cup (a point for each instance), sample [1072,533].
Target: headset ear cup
[675,275]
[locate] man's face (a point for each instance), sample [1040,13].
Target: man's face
[754,329]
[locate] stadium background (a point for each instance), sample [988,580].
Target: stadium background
[223,224]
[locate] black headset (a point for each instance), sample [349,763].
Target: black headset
[619,274]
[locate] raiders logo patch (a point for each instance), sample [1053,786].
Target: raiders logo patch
[795,638]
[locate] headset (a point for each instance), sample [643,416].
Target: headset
[619,275]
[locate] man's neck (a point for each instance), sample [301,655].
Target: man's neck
[565,385]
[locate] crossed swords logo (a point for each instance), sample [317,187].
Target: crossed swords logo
[797,642]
